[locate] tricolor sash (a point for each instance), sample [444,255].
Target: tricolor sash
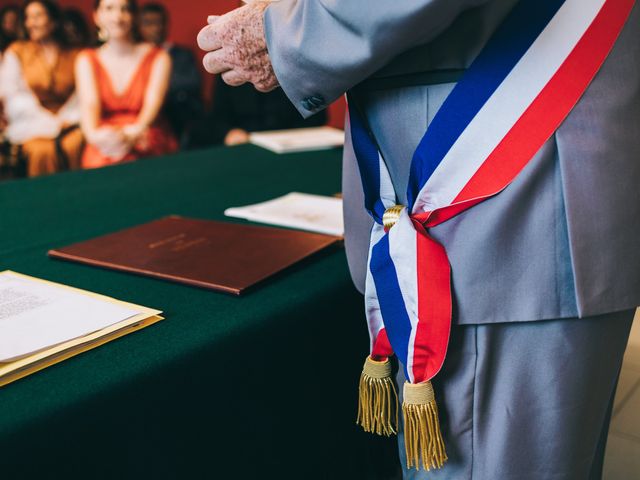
[510,101]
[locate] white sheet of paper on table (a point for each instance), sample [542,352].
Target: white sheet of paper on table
[298,139]
[314,213]
[36,315]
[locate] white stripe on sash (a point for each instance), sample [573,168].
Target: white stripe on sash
[403,252]
[503,109]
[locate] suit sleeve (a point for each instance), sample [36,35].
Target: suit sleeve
[321,48]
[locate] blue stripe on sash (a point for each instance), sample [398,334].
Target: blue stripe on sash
[503,51]
[393,309]
[368,161]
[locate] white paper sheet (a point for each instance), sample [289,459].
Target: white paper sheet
[315,213]
[298,139]
[35,315]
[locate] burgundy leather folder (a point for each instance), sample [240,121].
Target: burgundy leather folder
[222,256]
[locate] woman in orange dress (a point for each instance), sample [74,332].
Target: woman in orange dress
[122,86]
[38,90]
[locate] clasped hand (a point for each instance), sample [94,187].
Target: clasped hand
[116,143]
[237,47]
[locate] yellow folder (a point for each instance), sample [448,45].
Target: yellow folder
[26,365]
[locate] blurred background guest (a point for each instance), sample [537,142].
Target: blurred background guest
[9,32]
[76,29]
[236,111]
[38,88]
[122,86]
[9,21]
[9,26]
[184,104]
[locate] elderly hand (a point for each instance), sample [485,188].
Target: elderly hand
[237,47]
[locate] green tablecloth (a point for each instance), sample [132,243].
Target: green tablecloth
[262,386]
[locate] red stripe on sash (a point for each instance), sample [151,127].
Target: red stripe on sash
[550,107]
[381,346]
[434,306]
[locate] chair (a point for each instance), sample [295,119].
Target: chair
[13,163]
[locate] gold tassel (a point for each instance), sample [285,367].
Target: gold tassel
[422,435]
[378,399]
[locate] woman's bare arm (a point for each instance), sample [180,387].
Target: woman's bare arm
[87,90]
[154,96]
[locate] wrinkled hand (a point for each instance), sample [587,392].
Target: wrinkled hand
[237,47]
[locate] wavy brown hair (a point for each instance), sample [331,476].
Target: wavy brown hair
[54,12]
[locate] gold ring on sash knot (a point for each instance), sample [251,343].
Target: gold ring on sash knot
[391,216]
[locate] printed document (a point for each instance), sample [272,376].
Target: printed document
[35,315]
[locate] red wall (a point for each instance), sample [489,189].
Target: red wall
[187,18]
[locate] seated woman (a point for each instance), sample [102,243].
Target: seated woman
[9,26]
[122,86]
[9,32]
[38,92]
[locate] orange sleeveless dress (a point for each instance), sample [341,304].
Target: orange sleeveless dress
[123,109]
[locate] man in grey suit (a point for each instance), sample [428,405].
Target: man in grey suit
[546,275]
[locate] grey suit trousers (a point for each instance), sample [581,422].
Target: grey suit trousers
[528,400]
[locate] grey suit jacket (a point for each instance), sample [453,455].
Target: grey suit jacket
[563,239]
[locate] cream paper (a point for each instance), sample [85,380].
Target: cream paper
[36,315]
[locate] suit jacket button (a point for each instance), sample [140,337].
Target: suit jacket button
[308,105]
[318,100]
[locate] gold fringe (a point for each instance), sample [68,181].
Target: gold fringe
[378,399]
[422,435]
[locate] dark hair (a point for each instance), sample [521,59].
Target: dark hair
[154,7]
[132,4]
[55,16]
[76,19]
[133,8]
[6,40]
